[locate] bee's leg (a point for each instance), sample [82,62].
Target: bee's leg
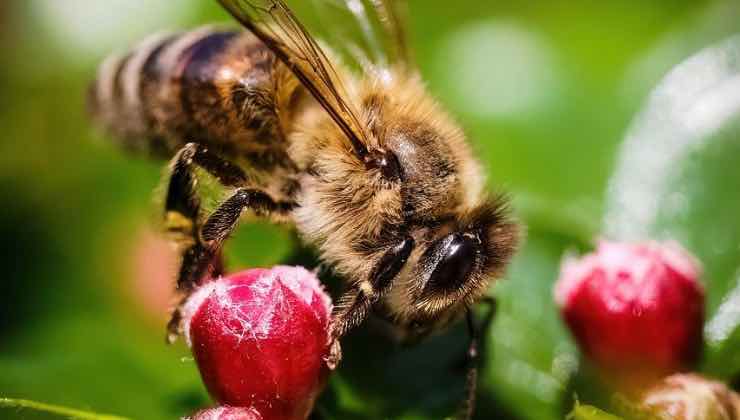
[490,302]
[182,211]
[199,258]
[221,223]
[356,302]
[475,349]
[182,204]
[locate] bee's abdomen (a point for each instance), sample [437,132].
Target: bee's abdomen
[211,86]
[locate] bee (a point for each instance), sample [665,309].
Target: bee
[363,161]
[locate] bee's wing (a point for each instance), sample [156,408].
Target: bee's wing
[392,16]
[276,25]
[372,32]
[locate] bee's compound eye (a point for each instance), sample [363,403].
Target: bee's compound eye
[457,255]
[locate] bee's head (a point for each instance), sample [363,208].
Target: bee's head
[453,262]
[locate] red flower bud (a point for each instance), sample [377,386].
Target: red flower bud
[259,338]
[227,413]
[636,310]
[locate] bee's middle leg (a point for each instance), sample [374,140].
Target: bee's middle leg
[202,243]
[182,205]
[182,215]
[214,232]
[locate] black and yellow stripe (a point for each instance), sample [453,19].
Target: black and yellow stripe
[209,85]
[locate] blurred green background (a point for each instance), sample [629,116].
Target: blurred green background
[547,91]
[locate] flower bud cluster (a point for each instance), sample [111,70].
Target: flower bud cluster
[637,314]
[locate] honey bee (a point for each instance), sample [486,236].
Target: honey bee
[365,164]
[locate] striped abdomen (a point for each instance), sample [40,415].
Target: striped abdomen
[211,86]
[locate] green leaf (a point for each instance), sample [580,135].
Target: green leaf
[66,412]
[588,412]
[530,354]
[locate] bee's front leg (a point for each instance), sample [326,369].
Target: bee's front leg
[356,302]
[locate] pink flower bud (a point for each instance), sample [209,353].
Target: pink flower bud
[636,310]
[259,338]
[227,413]
[691,397]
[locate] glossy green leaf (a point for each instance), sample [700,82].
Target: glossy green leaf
[678,178]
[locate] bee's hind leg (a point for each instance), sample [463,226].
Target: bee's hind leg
[475,349]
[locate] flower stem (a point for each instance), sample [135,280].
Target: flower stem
[56,409]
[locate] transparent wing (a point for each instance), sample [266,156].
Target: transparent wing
[372,32]
[276,25]
[392,15]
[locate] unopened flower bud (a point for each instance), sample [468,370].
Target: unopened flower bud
[227,413]
[636,310]
[691,397]
[260,338]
